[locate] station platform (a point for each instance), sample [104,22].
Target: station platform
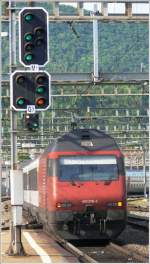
[39,248]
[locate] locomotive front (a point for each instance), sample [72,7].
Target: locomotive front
[87,190]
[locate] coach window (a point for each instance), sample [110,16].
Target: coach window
[49,167]
[25,181]
[33,179]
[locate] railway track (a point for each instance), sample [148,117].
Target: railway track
[82,256]
[96,251]
[138,208]
[139,222]
[113,253]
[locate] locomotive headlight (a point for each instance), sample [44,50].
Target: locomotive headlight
[65,204]
[115,204]
[120,203]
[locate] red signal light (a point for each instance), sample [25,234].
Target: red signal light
[40,101]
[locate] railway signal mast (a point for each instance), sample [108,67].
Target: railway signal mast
[30,92]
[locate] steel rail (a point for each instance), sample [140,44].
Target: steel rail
[127,252]
[138,224]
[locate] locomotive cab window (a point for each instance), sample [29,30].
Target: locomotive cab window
[88,168]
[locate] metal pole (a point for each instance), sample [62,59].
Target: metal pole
[15,247]
[0,123]
[42,128]
[144,170]
[95,45]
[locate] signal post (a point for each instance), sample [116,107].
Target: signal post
[30,92]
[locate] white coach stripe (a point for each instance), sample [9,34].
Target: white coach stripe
[43,255]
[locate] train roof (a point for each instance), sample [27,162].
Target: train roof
[83,139]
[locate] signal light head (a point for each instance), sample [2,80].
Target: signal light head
[29,47]
[31,121]
[28,57]
[33,29]
[20,79]
[30,90]
[39,42]
[40,89]
[28,17]
[28,37]
[40,101]
[20,101]
[39,31]
[40,79]
[35,125]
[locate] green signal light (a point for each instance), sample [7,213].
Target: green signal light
[28,17]
[35,125]
[28,37]
[40,89]
[28,57]
[20,101]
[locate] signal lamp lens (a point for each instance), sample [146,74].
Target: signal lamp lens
[40,79]
[29,47]
[20,101]
[28,37]
[20,79]
[29,57]
[28,17]
[39,31]
[40,89]
[39,42]
[40,102]
[35,125]
[27,116]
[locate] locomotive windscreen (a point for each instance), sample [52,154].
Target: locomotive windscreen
[88,168]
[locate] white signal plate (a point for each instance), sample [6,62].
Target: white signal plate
[31,109]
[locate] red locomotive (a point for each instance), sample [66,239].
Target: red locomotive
[76,188]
